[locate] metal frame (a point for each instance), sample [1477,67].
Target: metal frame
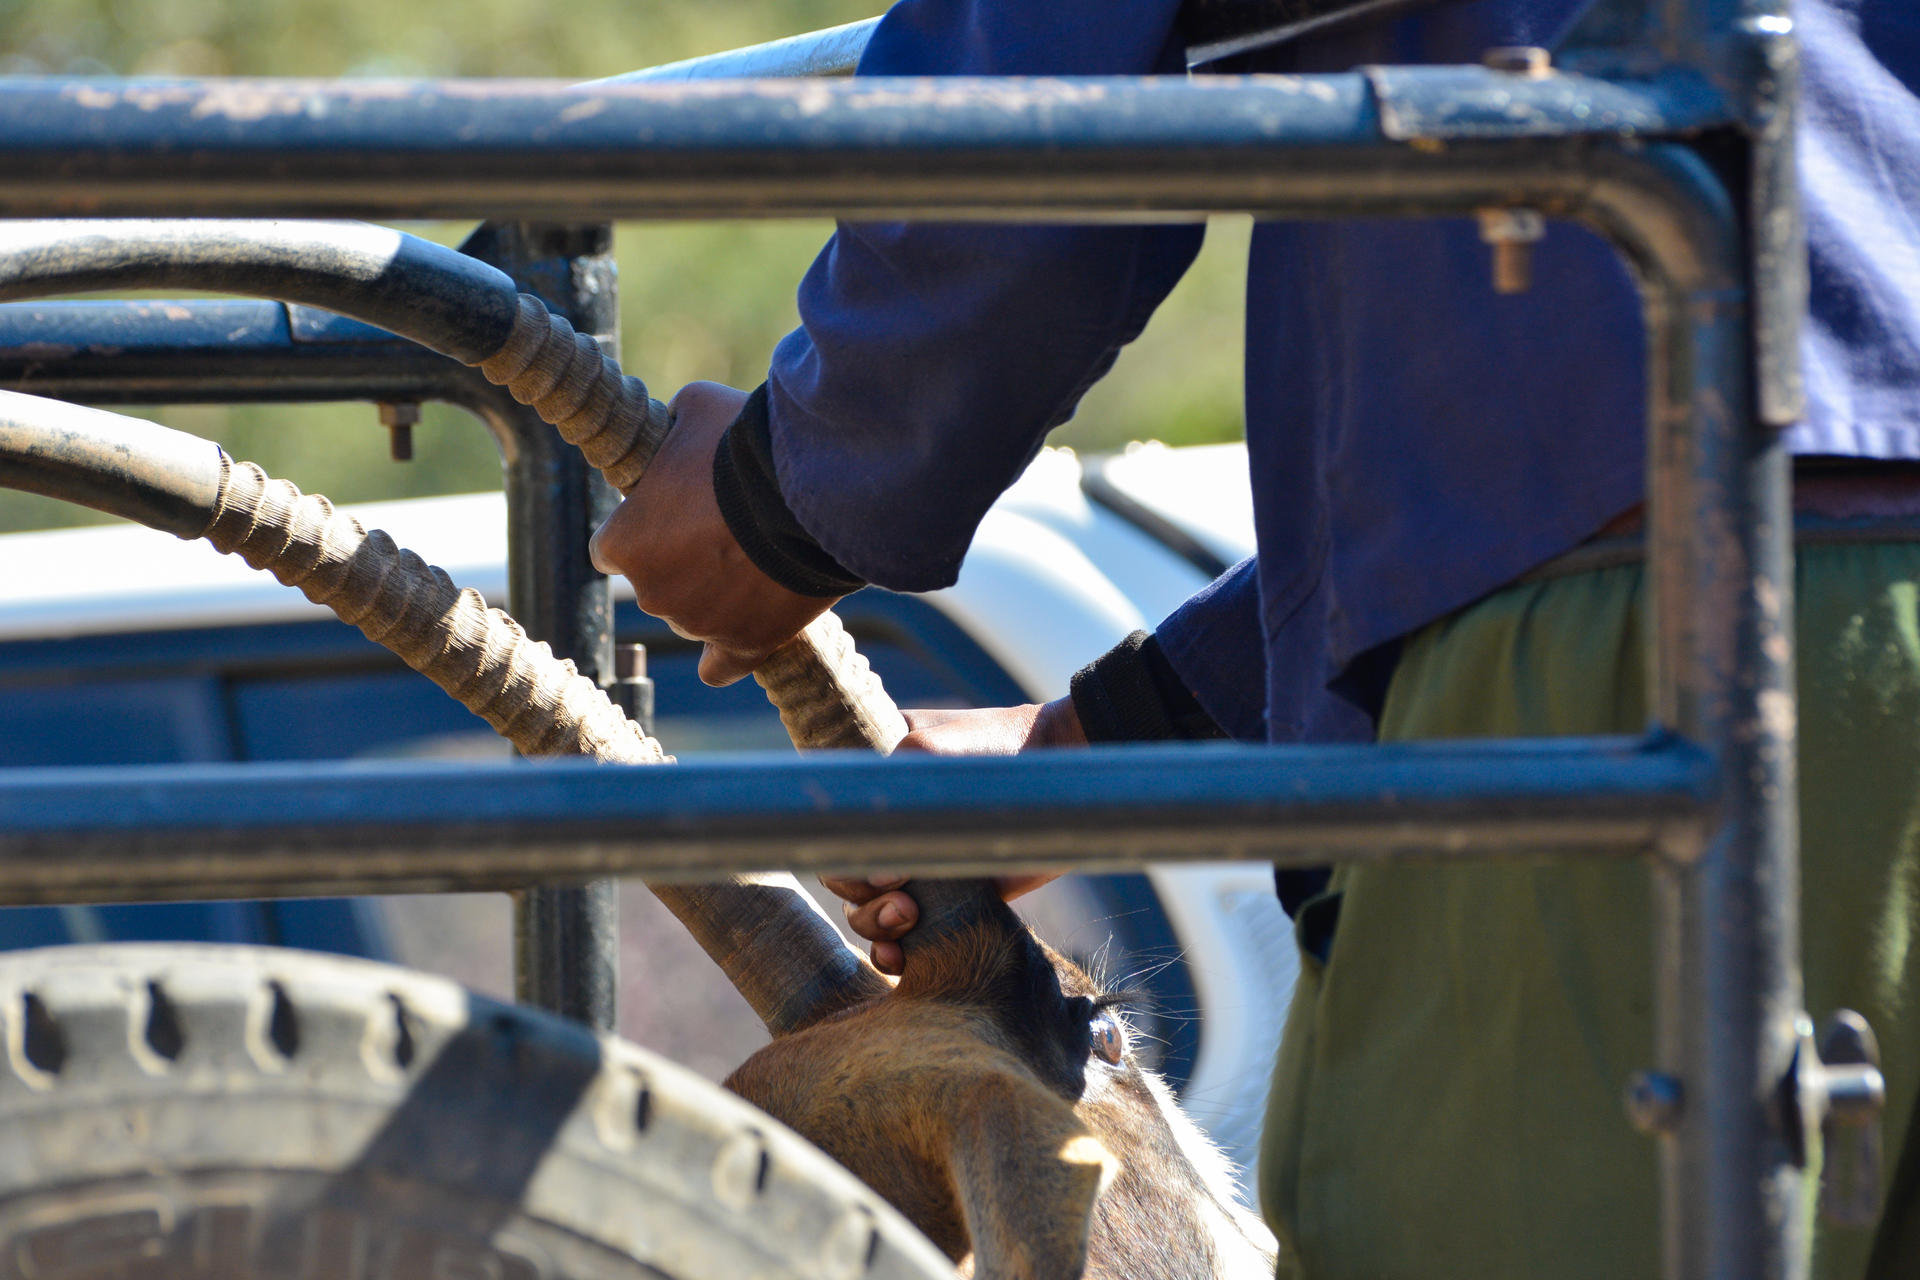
[1629,143]
[566,937]
[281,830]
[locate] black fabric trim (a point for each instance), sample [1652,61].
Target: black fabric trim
[757,514]
[1298,886]
[1131,693]
[1315,921]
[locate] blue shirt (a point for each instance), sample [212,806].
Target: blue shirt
[1415,439]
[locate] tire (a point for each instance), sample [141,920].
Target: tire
[234,1112]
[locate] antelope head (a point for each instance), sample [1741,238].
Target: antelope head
[994,1097]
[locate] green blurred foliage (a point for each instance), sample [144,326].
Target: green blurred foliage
[697,301]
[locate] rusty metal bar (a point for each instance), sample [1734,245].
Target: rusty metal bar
[1729,998]
[284,830]
[566,937]
[1326,145]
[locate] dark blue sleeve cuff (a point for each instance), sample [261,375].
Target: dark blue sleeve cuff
[1215,646]
[758,516]
[1131,694]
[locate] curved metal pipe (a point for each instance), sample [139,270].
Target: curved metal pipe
[141,471]
[439,297]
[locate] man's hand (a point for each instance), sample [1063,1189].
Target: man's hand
[671,542]
[877,910]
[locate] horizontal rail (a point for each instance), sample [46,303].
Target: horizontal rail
[127,833]
[201,351]
[1064,149]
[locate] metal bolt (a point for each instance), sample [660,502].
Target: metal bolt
[1856,1095]
[1850,1058]
[1512,233]
[398,417]
[632,688]
[1654,1101]
[1522,59]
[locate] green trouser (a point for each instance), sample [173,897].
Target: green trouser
[1447,1100]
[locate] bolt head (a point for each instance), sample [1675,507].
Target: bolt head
[1515,225]
[1654,1101]
[401,413]
[629,662]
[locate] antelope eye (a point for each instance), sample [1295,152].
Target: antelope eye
[1109,1045]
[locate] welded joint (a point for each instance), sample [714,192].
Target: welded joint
[1682,842]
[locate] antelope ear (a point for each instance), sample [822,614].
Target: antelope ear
[1028,1174]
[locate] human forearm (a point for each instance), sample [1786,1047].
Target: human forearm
[932,359]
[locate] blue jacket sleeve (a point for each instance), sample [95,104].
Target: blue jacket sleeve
[932,359]
[1214,644]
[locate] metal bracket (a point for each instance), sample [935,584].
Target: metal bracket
[1834,1094]
[1856,1097]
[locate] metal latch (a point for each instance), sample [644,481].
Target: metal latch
[1832,1094]
[1853,1094]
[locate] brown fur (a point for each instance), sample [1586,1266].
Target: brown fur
[970,1099]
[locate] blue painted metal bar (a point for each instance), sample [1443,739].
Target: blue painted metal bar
[1729,996]
[283,830]
[201,351]
[1038,149]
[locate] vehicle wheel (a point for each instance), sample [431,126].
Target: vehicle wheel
[208,1111]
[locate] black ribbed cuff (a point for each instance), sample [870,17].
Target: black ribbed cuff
[758,516]
[1131,693]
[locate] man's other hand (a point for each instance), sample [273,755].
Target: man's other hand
[877,907]
[670,541]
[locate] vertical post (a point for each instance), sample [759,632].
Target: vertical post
[1730,998]
[1727,927]
[566,938]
